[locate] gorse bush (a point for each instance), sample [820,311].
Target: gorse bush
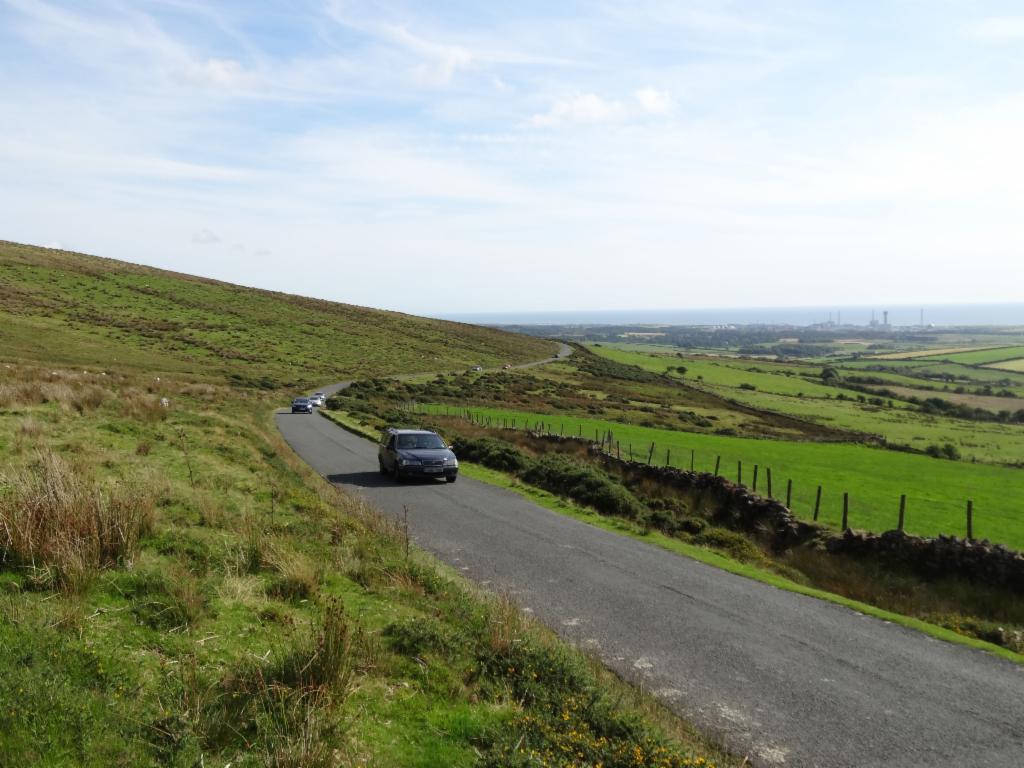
[944,451]
[496,454]
[584,483]
[64,527]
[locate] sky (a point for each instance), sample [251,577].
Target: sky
[457,157]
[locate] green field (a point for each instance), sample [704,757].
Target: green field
[99,312]
[937,490]
[784,388]
[981,356]
[766,376]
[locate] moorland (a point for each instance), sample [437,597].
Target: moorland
[177,588]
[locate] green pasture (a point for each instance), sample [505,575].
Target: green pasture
[782,388]
[985,441]
[779,378]
[955,371]
[982,356]
[937,490]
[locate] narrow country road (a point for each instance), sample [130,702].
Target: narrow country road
[783,678]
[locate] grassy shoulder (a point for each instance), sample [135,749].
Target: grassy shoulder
[178,588]
[708,556]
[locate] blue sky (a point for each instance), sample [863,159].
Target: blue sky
[466,157]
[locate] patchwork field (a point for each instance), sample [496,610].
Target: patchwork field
[796,389]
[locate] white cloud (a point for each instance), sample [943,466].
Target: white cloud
[997,29]
[654,101]
[205,237]
[582,108]
[223,73]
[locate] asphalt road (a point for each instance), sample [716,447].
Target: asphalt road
[786,679]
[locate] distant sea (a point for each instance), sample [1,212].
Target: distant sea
[936,314]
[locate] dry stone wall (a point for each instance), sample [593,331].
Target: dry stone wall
[736,507]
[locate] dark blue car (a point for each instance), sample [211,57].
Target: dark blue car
[405,453]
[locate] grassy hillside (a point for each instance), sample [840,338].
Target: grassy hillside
[177,588]
[68,308]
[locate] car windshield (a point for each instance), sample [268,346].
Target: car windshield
[301,400]
[418,442]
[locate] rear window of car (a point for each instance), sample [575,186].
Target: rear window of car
[418,442]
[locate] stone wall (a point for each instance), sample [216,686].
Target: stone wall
[736,507]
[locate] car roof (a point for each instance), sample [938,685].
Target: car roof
[397,431]
[302,398]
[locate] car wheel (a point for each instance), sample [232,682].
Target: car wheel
[396,473]
[383,469]
[451,478]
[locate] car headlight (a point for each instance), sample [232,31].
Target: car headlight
[406,462]
[452,462]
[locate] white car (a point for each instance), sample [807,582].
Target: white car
[318,399]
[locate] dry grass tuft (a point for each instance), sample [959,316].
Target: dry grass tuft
[505,625]
[64,528]
[142,406]
[211,510]
[298,576]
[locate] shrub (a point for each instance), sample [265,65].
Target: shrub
[414,637]
[584,483]
[945,451]
[496,454]
[53,518]
[734,544]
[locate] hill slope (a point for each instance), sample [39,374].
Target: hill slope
[70,308]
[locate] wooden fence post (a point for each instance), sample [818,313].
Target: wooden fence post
[618,451]
[903,511]
[754,488]
[846,511]
[789,493]
[768,472]
[970,520]
[650,454]
[817,503]
[718,464]
[668,457]
[739,473]
[630,451]
[693,453]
